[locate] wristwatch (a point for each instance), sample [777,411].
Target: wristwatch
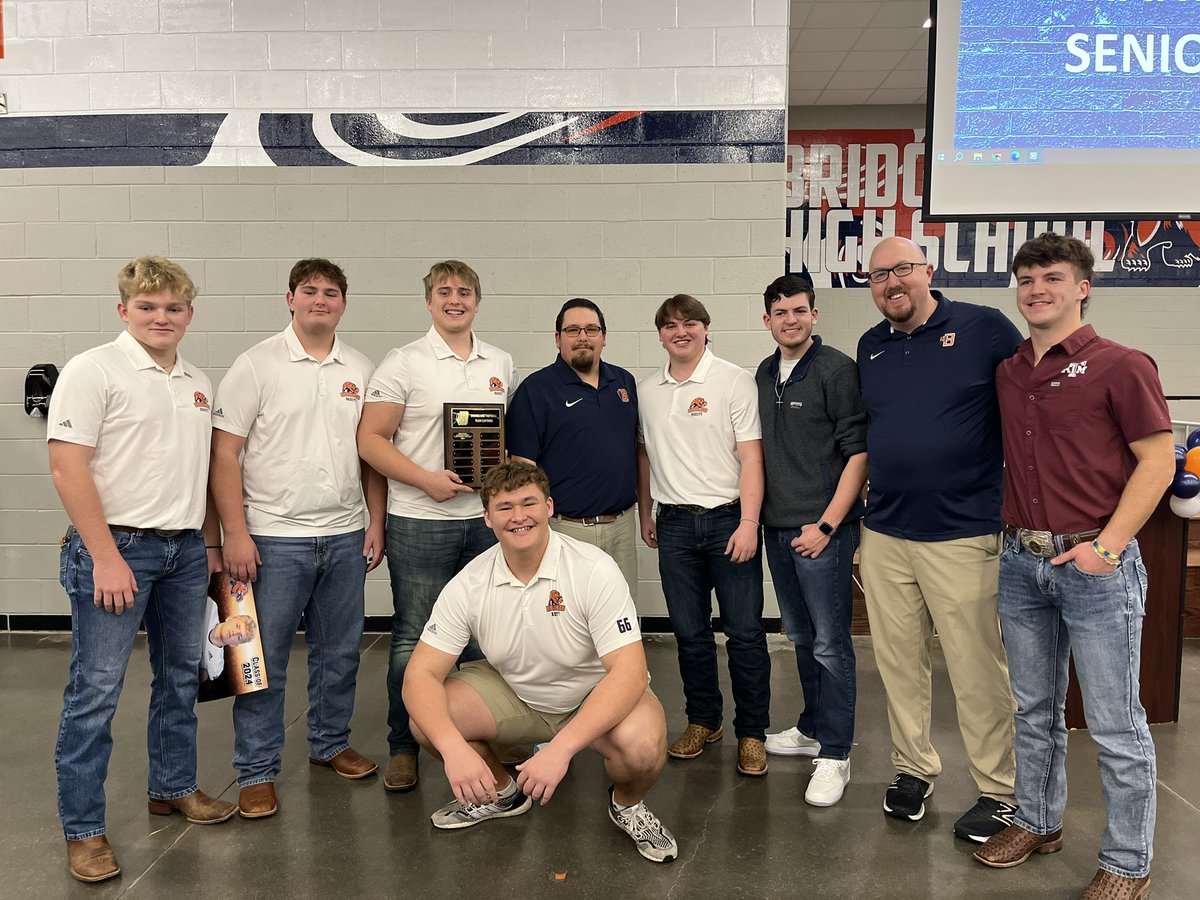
[825,528]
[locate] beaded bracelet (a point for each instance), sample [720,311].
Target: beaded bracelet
[1108,556]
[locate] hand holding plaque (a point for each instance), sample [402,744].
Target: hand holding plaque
[474,439]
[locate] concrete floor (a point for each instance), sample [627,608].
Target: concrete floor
[738,837]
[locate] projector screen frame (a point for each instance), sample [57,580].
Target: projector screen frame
[928,215]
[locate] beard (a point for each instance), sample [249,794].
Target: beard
[582,360]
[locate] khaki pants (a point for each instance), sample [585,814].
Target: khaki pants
[618,539]
[913,587]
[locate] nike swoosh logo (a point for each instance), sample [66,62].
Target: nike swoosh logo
[880,353]
[572,403]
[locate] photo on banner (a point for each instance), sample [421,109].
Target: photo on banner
[232,658]
[848,189]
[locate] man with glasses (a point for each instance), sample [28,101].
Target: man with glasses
[931,540]
[577,419]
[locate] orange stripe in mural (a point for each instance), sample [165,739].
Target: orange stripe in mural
[607,123]
[1,30]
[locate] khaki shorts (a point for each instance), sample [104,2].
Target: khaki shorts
[516,721]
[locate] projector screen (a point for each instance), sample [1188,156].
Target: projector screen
[1064,109]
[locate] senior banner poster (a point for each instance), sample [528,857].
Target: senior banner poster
[848,189]
[231,660]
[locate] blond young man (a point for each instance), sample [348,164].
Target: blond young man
[435,523]
[128,440]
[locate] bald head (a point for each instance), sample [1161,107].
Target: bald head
[904,299]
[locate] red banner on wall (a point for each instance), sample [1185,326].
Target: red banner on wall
[848,189]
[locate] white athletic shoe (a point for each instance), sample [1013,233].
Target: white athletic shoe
[652,838]
[456,815]
[792,742]
[829,780]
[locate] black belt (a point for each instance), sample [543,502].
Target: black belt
[699,510]
[606,519]
[1046,543]
[161,532]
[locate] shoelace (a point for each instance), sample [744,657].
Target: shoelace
[824,772]
[645,825]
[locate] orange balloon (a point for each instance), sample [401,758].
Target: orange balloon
[1193,461]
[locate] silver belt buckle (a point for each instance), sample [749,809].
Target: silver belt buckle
[1039,543]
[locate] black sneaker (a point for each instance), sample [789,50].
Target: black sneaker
[986,818]
[905,797]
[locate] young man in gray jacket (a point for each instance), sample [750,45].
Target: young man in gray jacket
[815,450]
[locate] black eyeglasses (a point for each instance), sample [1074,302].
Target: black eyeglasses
[573,331]
[878,276]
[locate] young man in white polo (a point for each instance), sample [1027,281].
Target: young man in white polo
[564,665]
[435,523]
[293,514]
[128,435]
[700,458]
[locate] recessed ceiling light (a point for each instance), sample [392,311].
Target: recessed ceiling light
[928,23]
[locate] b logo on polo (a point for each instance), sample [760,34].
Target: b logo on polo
[556,605]
[200,401]
[350,390]
[1075,368]
[948,339]
[495,385]
[623,394]
[698,407]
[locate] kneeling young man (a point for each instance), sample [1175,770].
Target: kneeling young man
[564,664]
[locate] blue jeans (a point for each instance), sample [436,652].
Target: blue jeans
[172,580]
[691,563]
[321,579]
[1049,613]
[815,601]
[423,555]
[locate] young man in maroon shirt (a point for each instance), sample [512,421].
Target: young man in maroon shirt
[1088,448]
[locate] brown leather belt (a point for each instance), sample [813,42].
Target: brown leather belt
[591,520]
[699,510]
[1045,543]
[161,532]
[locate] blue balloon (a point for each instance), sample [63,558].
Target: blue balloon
[1193,439]
[1180,457]
[1185,486]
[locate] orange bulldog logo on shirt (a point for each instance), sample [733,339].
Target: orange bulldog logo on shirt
[556,604]
[350,391]
[495,385]
[698,407]
[200,401]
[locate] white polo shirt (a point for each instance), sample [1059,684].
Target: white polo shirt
[150,430]
[300,473]
[546,638]
[422,376]
[691,430]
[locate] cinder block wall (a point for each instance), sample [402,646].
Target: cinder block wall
[626,235]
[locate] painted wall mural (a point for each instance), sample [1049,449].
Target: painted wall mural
[849,189]
[251,138]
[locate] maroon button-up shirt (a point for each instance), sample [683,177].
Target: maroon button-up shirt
[1067,425]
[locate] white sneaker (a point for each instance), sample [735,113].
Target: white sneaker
[792,742]
[829,780]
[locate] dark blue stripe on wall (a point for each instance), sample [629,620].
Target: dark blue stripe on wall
[291,139]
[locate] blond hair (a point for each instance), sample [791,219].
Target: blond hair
[152,274]
[442,272]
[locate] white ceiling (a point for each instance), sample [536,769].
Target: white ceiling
[851,52]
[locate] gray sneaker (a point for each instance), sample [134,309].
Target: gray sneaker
[455,815]
[652,838]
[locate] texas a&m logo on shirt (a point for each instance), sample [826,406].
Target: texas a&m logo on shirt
[350,391]
[200,401]
[556,605]
[495,385]
[1075,369]
[698,407]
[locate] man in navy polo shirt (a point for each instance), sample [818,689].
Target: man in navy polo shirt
[577,419]
[931,536]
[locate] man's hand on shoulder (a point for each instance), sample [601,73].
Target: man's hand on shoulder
[469,776]
[540,774]
[443,485]
[743,543]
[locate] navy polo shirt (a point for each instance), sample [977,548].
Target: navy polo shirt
[584,437]
[934,453]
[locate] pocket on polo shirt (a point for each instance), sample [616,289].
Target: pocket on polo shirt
[1066,407]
